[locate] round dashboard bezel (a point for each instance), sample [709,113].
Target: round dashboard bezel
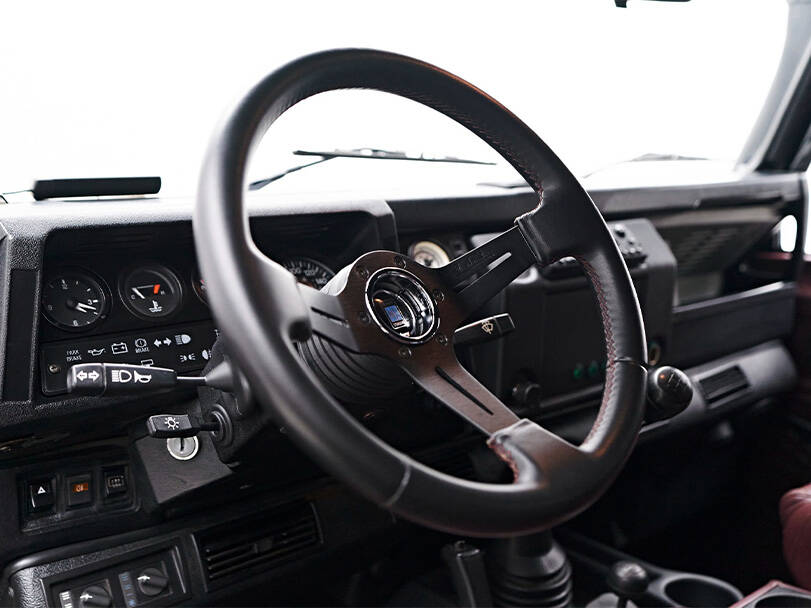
[84,274]
[149,265]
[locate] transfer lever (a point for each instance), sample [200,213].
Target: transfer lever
[669,391]
[629,581]
[95,379]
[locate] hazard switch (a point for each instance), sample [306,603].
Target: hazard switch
[40,495]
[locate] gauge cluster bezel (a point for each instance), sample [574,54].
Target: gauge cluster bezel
[183,275]
[111,252]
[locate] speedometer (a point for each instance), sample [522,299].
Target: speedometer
[308,271]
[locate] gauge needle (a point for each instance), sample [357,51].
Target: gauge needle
[137,292]
[82,307]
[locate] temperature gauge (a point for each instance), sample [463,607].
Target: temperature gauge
[151,292]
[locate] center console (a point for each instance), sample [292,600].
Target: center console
[600,571]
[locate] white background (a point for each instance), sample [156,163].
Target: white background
[106,89]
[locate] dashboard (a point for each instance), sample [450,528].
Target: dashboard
[118,281]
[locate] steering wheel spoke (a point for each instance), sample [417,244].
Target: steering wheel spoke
[329,320]
[475,295]
[491,266]
[442,376]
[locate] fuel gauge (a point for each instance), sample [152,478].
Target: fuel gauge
[151,292]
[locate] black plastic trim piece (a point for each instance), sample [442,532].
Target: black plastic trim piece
[21,319]
[98,186]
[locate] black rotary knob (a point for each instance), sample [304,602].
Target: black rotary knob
[152,581]
[527,395]
[95,596]
[669,392]
[628,580]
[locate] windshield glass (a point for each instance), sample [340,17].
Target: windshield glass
[94,90]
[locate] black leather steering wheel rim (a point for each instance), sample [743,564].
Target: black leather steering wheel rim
[262,312]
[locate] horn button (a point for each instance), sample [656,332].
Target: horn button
[401,306]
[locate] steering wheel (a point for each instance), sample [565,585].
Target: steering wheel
[388,305]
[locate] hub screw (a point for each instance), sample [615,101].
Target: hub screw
[363,317]
[362,272]
[442,339]
[54,368]
[400,261]
[404,352]
[438,295]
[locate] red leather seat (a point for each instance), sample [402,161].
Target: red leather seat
[795,514]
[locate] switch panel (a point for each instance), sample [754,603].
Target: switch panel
[184,349]
[144,578]
[55,497]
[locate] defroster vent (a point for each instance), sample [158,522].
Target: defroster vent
[261,542]
[722,384]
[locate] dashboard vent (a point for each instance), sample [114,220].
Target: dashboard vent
[258,543]
[711,248]
[133,239]
[125,242]
[723,384]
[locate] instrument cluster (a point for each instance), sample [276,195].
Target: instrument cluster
[76,299]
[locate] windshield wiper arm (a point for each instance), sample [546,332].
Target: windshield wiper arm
[366,153]
[389,155]
[269,180]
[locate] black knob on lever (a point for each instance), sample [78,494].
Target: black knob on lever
[669,392]
[165,426]
[628,580]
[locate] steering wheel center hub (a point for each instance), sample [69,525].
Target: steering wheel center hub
[401,306]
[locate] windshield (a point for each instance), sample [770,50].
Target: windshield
[94,90]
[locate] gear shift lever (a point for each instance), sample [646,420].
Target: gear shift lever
[628,580]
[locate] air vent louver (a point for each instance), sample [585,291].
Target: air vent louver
[723,384]
[258,543]
[711,248]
